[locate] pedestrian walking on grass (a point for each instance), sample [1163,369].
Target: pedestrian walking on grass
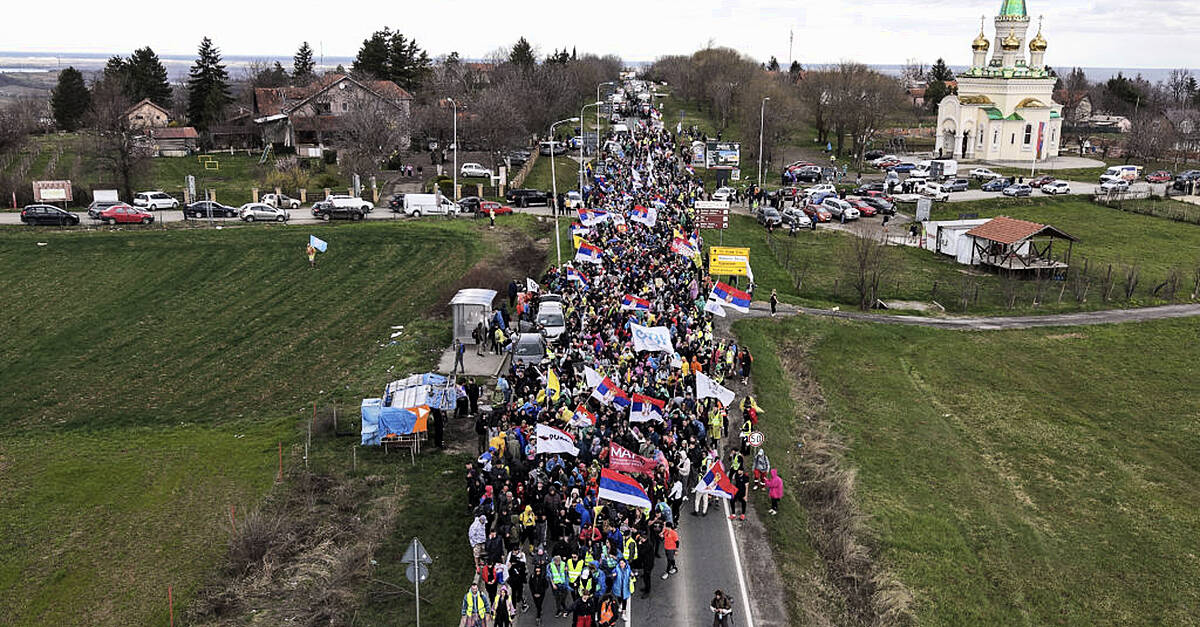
[311,251]
[774,302]
[774,490]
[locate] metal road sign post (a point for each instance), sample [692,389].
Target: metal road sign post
[713,214]
[417,558]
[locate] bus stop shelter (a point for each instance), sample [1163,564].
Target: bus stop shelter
[470,307]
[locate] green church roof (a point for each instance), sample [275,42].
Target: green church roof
[1013,8]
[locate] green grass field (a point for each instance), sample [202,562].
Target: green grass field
[566,171]
[149,377]
[1009,478]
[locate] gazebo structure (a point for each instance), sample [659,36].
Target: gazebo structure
[1018,246]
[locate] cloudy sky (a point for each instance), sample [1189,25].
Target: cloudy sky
[1094,33]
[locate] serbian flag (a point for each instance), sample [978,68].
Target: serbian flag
[731,296]
[644,409]
[633,302]
[592,217]
[589,253]
[609,394]
[579,229]
[641,214]
[682,247]
[618,488]
[582,417]
[575,275]
[716,483]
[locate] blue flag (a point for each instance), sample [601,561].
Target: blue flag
[317,243]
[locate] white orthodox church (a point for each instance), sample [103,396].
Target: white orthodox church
[1003,110]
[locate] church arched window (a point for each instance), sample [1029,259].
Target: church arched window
[1028,134]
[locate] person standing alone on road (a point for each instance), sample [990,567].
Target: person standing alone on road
[774,302]
[459,349]
[670,539]
[721,609]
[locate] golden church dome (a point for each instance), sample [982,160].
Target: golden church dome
[981,44]
[1012,42]
[1038,44]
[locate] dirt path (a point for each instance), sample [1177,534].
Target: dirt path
[994,323]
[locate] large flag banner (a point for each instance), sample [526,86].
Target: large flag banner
[1041,137]
[713,306]
[531,285]
[618,488]
[318,243]
[579,229]
[644,409]
[632,302]
[592,377]
[707,388]
[716,483]
[551,440]
[592,217]
[553,387]
[589,253]
[682,247]
[731,296]
[582,417]
[622,459]
[575,275]
[609,394]
[641,214]
[652,339]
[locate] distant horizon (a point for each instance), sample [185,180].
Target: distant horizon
[10,62]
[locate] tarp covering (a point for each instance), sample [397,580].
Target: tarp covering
[429,389]
[379,421]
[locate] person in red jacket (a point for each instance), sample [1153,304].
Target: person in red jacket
[670,539]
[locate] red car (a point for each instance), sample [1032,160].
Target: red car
[863,208]
[817,213]
[491,205]
[1041,180]
[124,214]
[1161,176]
[873,193]
[890,163]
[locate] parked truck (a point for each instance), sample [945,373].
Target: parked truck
[417,205]
[942,169]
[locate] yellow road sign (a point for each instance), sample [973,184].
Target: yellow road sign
[728,260]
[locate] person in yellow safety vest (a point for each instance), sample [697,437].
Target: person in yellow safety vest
[747,429]
[475,607]
[631,551]
[715,422]
[574,567]
[586,584]
[559,585]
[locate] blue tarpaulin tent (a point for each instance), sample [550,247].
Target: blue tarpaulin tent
[378,421]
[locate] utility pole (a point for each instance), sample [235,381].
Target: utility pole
[791,35]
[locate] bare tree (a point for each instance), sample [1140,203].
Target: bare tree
[866,261]
[1150,137]
[116,148]
[371,132]
[912,73]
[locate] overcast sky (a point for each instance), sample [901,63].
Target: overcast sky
[1093,33]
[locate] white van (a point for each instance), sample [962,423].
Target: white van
[416,205]
[620,129]
[1121,173]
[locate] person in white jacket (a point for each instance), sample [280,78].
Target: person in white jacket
[477,535]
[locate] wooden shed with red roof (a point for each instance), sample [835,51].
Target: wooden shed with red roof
[1019,246]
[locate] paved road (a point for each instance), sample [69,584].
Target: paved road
[299,216]
[995,323]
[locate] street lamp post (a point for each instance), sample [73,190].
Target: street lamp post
[583,139]
[598,110]
[455,140]
[554,188]
[762,116]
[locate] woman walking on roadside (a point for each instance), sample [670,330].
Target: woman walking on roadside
[774,490]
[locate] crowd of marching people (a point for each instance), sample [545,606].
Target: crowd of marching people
[591,458]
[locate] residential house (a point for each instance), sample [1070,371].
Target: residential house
[146,114]
[309,118]
[173,141]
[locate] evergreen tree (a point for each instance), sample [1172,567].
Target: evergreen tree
[70,99]
[208,87]
[557,57]
[934,94]
[773,64]
[940,71]
[303,66]
[372,58]
[795,69]
[147,78]
[408,65]
[522,54]
[115,67]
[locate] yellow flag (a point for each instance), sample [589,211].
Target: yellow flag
[577,239]
[552,385]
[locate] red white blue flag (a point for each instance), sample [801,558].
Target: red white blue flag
[582,417]
[575,275]
[716,483]
[609,394]
[589,253]
[632,302]
[644,409]
[731,296]
[618,488]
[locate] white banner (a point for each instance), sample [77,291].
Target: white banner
[530,285]
[707,388]
[592,377]
[652,339]
[551,440]
[713,306]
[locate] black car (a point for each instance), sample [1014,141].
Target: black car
[874,186]
[1185,179]
[872,155]
[99,206]
[770,216]
[46,214]
[327,211]
[996,184]
[470,204]
[882,207]
[526,197]
[518,158]
[560,148]
[206,208]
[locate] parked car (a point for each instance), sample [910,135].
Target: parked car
[518,158]
[817,213]
[469,170]
[996,185]
[956,185]
[872,155]
[935,191]
[254,211]
[1159,176]
[724,194]
[1057,187]
[527,197]
[573,200]
[907,199]
[1114,186]
[98,206]
[282,201]
[206,208]
[1185,179]
[529,349]
[491,205]
[154,200]
[796,216]
[345,200]
[1018,190]
[124,214]
[903,167]
[840,209]
[560,148]
[417,205]
[887,163]
[983,174]
[1121,172]
[884,159]
[1041,180]
[326,210]
[770,216]
[882,205]
[470,204]
[34,215]
[823,188]
[864,208]
[873,186]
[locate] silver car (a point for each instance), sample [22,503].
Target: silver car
[257,211]
[840,209]
[529,349]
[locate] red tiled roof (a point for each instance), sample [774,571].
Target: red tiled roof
[276,100]
[178,132]
[1006,230]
